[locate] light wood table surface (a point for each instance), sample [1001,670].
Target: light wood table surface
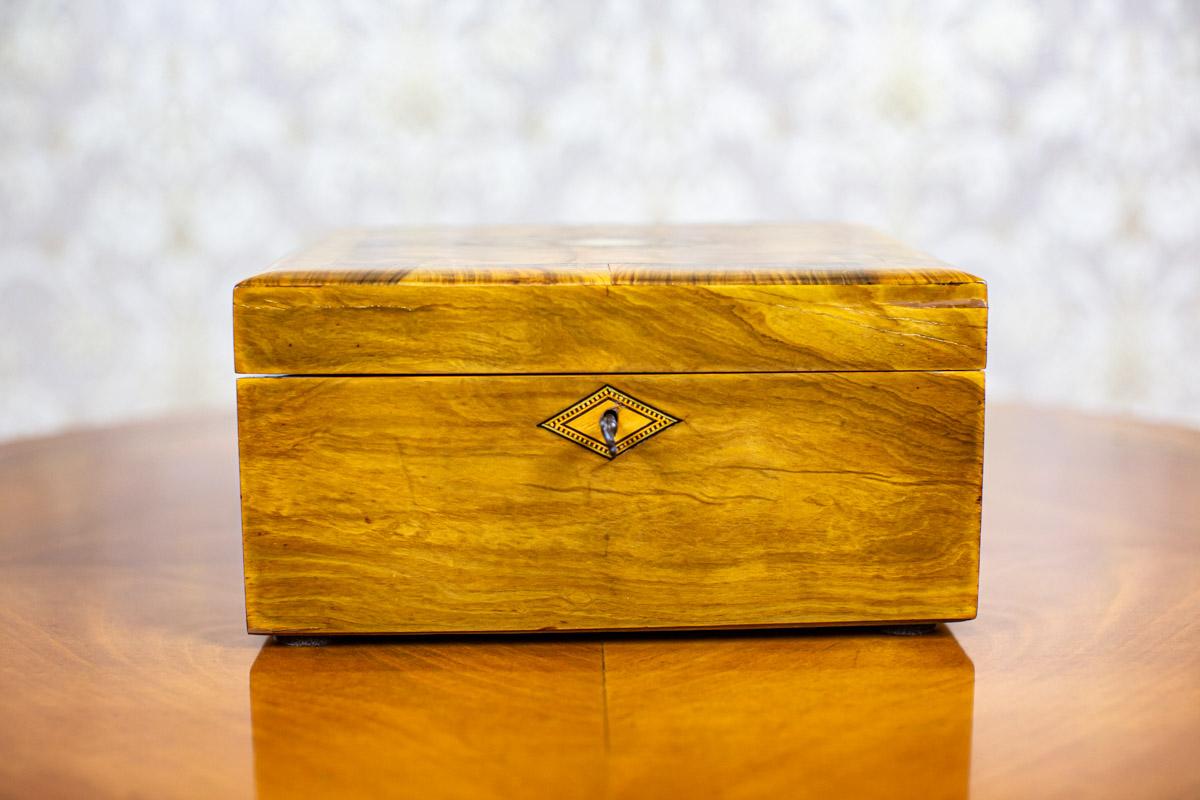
[125,669]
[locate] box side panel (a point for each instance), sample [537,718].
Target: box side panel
[514,329]
[437,504]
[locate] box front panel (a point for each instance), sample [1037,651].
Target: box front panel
[472,503]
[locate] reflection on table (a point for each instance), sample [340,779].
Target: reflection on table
[854,713]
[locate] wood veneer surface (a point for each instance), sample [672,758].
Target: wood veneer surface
[793,253]
[438,504]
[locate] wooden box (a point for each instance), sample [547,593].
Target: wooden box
[609,428]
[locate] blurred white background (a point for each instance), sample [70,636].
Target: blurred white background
[153,153]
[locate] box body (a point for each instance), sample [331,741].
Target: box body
[792,442]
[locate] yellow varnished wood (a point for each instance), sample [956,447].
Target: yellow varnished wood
[422,504]
[609,299]
[384,329]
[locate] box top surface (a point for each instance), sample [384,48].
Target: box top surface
[807,253]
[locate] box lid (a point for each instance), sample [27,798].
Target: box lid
[609,299]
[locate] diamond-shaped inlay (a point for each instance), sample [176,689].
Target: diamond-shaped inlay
[636,421]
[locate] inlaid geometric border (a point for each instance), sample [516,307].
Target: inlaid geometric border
[558,423]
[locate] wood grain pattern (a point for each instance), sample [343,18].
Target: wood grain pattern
[520,300]
[385,505]
[498,719]
[554,329]
[126,670]
[123,654]
[789,716]
[803,253]
[728,716]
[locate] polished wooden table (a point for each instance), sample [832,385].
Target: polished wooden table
[125,669]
